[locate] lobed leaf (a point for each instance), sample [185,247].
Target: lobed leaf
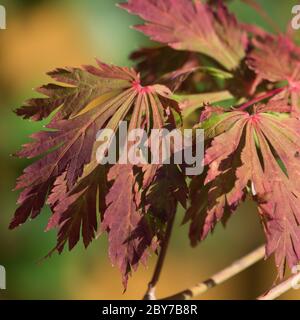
[277,59]
[192,26]
[252,154]
[83,194]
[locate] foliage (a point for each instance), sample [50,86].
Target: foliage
[251,149]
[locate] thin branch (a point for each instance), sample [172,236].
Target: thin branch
[150,293]
[221,276]
[260,98]
[292,282]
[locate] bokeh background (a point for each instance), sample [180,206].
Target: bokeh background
[40,36]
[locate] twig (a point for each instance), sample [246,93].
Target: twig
[150,293]
[260,98]
[292,282]
[221,276]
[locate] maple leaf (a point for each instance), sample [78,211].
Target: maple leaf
[277,59]
[67,174]
[192,26]
[251,154]
[70,143]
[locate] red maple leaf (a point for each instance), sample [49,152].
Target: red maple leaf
[277,59]
[192,26]
[67,172]
[256,155]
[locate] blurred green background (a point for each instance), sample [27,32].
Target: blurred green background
[40,36]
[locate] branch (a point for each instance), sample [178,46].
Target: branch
[260,98]
[150,293]
[292,282]
[221,276]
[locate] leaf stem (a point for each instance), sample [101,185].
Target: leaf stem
[281,288]
[220,277]
[260,98]
[150,293]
